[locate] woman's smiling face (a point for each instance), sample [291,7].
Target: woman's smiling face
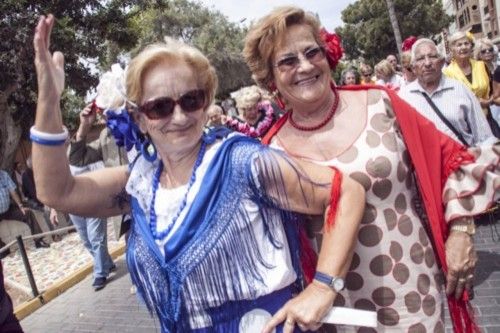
[308,81]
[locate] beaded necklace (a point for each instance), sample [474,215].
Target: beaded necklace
[324,122]
[159,235]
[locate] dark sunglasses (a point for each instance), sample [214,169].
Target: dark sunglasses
[312,55]
[164,106]
[367,74]
[490,50]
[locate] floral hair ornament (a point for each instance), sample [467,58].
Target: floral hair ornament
[333,47]
[408,43]
[112,99]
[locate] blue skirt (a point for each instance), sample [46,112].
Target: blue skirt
[249,316]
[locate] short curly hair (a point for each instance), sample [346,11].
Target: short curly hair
[268,34]
[170,51]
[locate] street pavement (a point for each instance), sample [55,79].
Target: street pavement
[116,309]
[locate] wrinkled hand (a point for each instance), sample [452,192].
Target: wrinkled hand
[49,67]
[54,220]
[461,260]
[306,310]
[87,118]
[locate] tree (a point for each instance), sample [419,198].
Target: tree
[394,23]
[81,31]
[210,31]
[368,33]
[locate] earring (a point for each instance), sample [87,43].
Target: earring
[148,150]
[277,96]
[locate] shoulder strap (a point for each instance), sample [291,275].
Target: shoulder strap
[443,118]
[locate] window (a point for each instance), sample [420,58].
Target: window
[476,28]
[461,22]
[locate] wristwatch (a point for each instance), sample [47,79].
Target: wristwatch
[334,282]
[469,229]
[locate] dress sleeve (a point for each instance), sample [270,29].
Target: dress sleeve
[472,188]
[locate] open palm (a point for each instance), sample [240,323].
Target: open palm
[49,67]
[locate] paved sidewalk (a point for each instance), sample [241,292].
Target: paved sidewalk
[81,309]
[115,309]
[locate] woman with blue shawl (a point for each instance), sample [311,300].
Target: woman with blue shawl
[214,243]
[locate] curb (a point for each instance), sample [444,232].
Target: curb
[27,308]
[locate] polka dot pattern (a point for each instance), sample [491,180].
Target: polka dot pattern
[372,139]
[388,316]
[370,235]
[413,301]
[401,273]
[382,188]
[405,225]
[393,270]
[384,296]
[417,328]
[369,215]
[381,265]
[396,251]
[363,179]
[353,281]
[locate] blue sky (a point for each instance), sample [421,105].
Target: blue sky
[328,10]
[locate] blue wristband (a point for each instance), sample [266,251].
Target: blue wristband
[45,142]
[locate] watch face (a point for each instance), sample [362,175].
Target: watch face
[338,284]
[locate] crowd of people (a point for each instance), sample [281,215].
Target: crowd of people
[262,212]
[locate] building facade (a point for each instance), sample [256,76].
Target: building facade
[480,17]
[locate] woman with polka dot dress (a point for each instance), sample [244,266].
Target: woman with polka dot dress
[422,188]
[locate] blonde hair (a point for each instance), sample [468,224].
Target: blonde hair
[479,45]
[385,68]
[364,66]
[268,34]
[457,36]
[406,59]
[248,97]
[170,52]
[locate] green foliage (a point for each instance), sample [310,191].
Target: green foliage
[81,31]
[210,31]
[368,33]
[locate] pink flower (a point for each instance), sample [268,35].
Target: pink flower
[333,47]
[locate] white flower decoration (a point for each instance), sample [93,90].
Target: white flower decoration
[111,89]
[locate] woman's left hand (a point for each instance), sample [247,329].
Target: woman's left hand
[461,260]
[306,310]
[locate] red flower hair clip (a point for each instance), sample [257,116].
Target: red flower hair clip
[333,47]
[408,43]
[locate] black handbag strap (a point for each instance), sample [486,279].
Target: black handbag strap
[443,118]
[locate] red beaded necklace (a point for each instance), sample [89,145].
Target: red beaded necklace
[324,122]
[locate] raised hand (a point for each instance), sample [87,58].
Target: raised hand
[49,67]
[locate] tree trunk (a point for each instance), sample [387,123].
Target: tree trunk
[10,132]
[394,23]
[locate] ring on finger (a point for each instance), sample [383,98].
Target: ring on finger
[470,276]
[289,322]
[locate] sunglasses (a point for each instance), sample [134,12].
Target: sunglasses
[367,73]
[312,55]
[490,50]
[164,106]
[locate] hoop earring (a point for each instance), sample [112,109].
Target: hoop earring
[148,150]
[277,96]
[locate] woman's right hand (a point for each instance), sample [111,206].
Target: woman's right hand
[49,67]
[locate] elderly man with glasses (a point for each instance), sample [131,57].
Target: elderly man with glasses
[453,108]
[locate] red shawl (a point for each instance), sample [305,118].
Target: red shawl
[428,148]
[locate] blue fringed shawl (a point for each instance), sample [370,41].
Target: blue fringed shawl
[214,251]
